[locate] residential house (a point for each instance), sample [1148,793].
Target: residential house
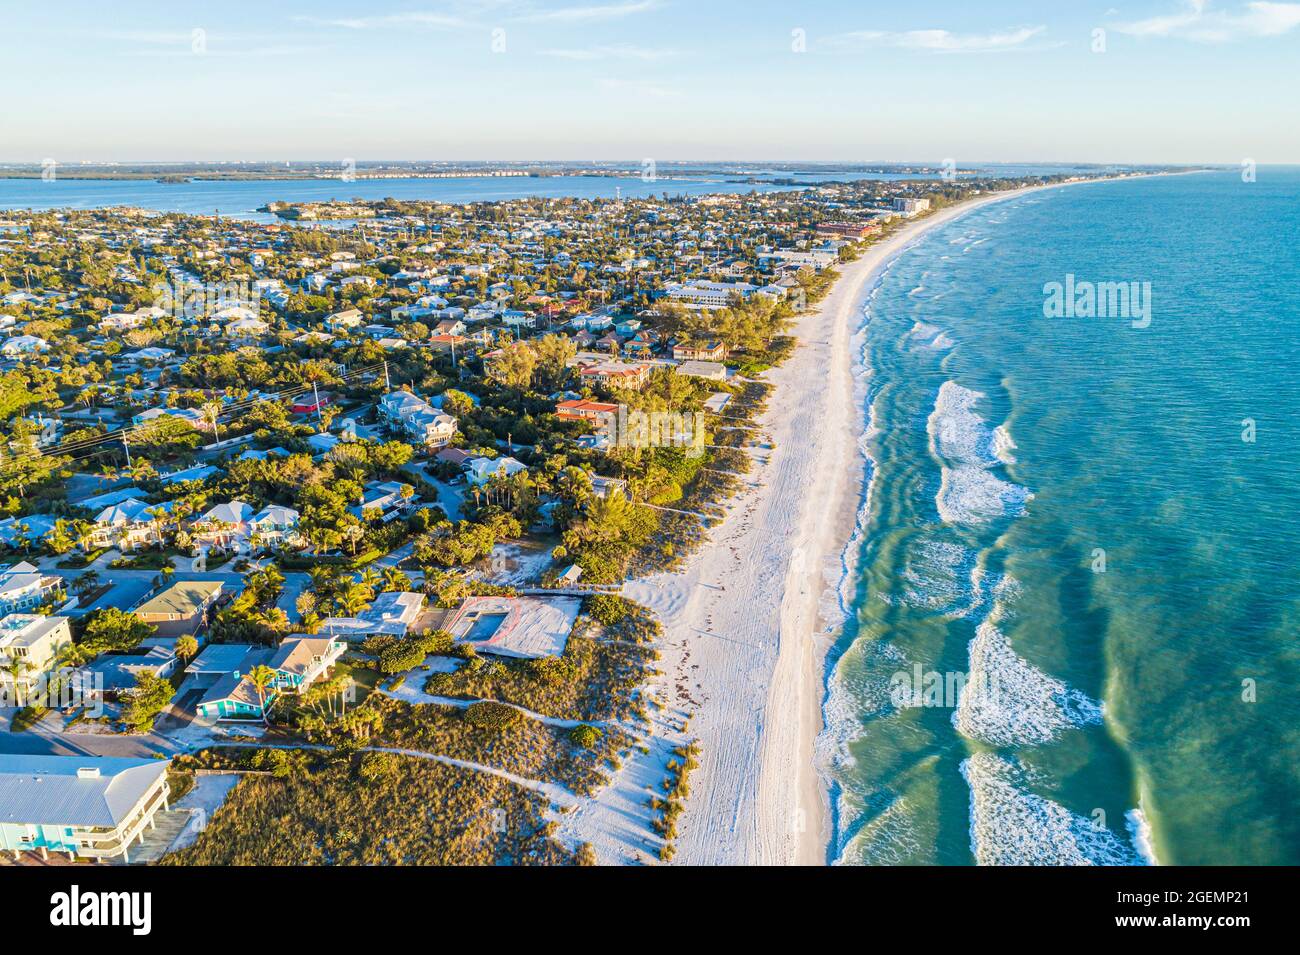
[418,419]
[29,646]
[599,413]
[274,528]
[710,370]
[91,807]
[298,663]
[129,524]
[23,587]
[180,609]
[225,527]
[111,674]
[709,350]
[478,471]
[387,500]
[21,345]
[616,374]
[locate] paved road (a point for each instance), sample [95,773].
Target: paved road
[37,742]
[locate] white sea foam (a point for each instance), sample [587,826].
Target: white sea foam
[1003,445]
[887,838]
[1139,828]
[1010,825]
[969,493]
[924,336]
[937,576]
[1010,702]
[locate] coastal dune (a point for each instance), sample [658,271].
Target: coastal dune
[745,635]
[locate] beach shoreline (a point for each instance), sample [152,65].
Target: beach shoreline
[748,621]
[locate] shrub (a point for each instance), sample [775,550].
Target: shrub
[435,641]
[401,657]
[609,609]
[585,736]
[491,715]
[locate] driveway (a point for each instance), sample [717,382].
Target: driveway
[180,712]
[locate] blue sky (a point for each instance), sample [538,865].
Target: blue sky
[1178,80]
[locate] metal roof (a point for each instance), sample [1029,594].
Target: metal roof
[50,790]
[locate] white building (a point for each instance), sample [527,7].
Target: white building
[33,642]
[418,419]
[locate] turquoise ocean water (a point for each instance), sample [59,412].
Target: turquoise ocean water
[1079,542]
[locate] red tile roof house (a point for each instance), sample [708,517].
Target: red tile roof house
[616,374]
[597,412]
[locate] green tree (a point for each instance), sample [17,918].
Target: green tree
[262,676]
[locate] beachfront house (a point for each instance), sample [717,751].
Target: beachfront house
[298,663]
[706,350]
[90,807]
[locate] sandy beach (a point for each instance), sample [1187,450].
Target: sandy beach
[745,628]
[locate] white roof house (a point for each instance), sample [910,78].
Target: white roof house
[520,627]
[23,345]
[91,806]
[232,512]
[481,470]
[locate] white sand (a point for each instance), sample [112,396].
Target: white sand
[744,635]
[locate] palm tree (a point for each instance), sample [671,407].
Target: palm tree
[86,582]
[187,647]
[83,532]
[213,410]
[354,598]
[370,577]
[16,668]
[59,537]
[395,580]
[262,676]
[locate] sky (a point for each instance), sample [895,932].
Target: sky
[1149,81]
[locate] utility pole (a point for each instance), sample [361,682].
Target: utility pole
[316,396]
[387,386]
[127,448]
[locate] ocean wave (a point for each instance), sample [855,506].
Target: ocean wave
[1139,828]
[1003,445]
[1010,702]
[924,336]
[937,577]
[969,493]
[1011,826]
[887,838]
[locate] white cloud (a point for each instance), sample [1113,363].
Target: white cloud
[1197,21]
[944,41]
